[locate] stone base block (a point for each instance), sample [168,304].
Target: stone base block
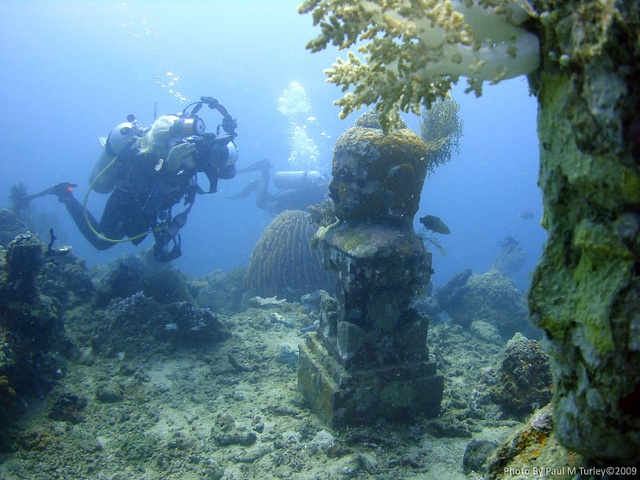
[355,397]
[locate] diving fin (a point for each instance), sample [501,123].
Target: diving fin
[59,190]
[262,165]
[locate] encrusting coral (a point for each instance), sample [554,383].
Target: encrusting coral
[415,50]
[524,378]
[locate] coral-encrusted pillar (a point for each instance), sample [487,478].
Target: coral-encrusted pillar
[586,290]
[369,357]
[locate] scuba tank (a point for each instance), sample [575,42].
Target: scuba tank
[103,173]
[298,179]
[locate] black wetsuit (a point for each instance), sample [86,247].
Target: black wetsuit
[140,194]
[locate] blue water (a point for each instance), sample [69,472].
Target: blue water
[72,70]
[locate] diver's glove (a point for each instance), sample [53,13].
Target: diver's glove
[181,157]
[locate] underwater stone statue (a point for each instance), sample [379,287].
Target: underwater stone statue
[377,177]
[369,357]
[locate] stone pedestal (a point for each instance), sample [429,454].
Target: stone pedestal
[369,357]
[393,392]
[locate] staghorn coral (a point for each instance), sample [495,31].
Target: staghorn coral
[415,50]
[282,262]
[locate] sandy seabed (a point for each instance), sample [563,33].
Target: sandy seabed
[232,410]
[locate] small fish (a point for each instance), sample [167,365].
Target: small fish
[431,222]
[526,215]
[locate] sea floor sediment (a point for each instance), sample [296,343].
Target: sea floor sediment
[232,410]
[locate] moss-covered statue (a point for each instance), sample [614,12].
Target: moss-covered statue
[370,342]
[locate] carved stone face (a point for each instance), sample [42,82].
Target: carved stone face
[376,177]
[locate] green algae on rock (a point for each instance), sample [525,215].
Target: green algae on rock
[586,289]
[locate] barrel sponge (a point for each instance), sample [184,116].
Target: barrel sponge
[283,262]
[415,50]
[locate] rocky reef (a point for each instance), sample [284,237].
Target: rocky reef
[490,297]
[220,291]
[135,380]
[38,285]
[130,274]
[55,311]
[524,378]
[140,325]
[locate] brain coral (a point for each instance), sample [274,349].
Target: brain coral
[283,263]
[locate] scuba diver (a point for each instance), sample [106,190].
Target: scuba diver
[297,189]
[148,171]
